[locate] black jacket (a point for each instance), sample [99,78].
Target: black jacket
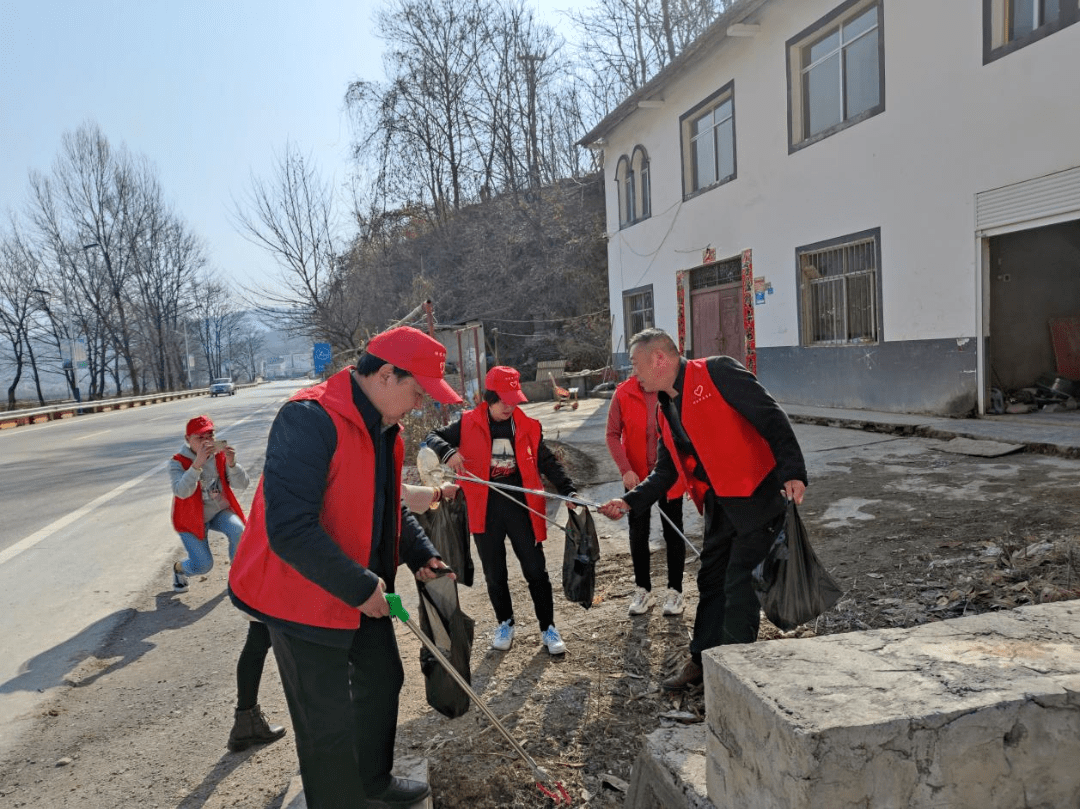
[748,397]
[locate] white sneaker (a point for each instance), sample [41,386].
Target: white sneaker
[641,602]
[673,604]
[553,641]
[503,638]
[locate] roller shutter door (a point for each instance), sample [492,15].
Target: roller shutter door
[1053,195]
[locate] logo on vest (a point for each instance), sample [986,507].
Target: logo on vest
[699,394]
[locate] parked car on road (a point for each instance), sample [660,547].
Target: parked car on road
[222,385]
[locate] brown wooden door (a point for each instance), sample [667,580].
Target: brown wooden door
[705,322]
[732,330]
[717,322]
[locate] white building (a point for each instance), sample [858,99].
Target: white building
[872,203]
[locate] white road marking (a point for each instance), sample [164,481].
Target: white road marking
[43,534]
[91,435]
[39,536]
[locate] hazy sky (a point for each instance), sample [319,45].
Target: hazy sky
[208,91]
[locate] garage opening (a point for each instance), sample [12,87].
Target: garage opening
[1034,334]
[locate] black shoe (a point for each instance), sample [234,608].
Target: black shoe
[402,792]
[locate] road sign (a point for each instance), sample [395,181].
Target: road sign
[322,355]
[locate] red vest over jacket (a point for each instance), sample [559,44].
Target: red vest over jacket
[475,448]
[261,579]
[187,512]
[635,436]
[735,456]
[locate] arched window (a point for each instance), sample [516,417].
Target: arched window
[624,178]
[639,165]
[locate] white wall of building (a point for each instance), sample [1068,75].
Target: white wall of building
[951,127]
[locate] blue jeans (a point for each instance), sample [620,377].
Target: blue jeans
[200,560]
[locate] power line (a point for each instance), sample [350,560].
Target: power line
[541,319]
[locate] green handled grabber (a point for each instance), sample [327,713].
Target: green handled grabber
[398,611]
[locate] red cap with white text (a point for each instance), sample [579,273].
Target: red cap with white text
[424,357]
[506,382]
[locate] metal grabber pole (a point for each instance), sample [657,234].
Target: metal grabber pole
[558,794]
[576,500]
[431,468]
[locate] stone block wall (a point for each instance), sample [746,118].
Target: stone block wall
[971,713]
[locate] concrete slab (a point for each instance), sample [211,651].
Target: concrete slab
[973,712]
[414,768]
[670,771]
[982,449]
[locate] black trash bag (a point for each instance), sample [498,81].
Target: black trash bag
[791,583]
[580,557]
[451,630]
[448,529]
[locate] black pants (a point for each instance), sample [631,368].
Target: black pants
[344,707]
[638,524]
[249,667]
[728,609]
[503,520]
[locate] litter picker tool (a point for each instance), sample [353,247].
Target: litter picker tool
[557,792]
[434,472]
[431,469]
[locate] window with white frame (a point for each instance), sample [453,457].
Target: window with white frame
[836,72]
[708,142]
[638,310]
[624,179]
[632,179]
[840,290]
[1009,25]
[639,164]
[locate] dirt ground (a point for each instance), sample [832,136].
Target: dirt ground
[143,722]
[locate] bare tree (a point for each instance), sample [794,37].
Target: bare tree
[466,109]
[624,43]
[88,215]
[20,301]
[291,215]
[166,260]
[249,345]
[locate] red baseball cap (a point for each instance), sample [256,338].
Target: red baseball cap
[199,425]
[506,382]
[424,357]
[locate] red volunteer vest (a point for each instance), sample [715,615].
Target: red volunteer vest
[635,435]
[187,512]
[476,450]
[735,456]
[261,579]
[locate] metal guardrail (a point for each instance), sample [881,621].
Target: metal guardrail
[16,418]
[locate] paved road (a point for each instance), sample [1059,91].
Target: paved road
[86,524]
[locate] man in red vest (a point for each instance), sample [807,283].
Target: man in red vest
[632,441]
[498,442]
[326,534]
[732,446]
